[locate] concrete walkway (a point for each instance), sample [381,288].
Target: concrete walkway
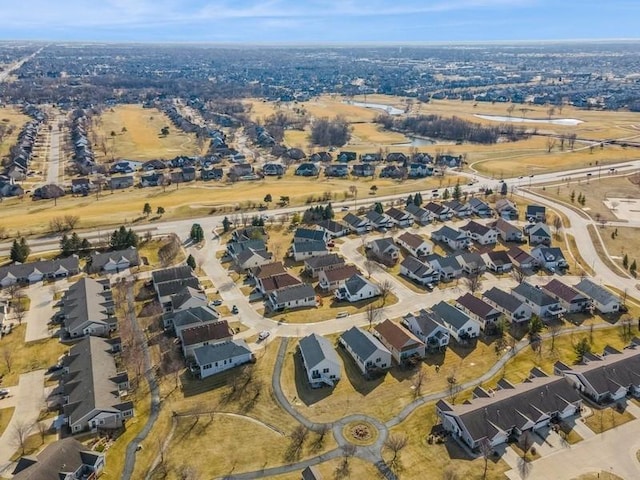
[41,310]
[29,401]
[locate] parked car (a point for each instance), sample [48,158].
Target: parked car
[263,335]
[216,303]
[4,392]
[345,208]
[234,310]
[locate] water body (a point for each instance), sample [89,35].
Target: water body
[378,106]
[567,122]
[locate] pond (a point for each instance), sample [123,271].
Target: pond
[378,106]
[568,122]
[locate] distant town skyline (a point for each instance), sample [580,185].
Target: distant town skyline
[319,21]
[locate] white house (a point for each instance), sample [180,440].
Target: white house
[320,361]
[308,249]
[420,215]
[333,278]
[251,258]
[428,328]
[497,261]
[294,296]
[480,233]
[603,300]
[379,220]
[215,358]
[447,267]
[333,229]
[541,304]
[402,344]
[507,231]
[439,211]
[400,218]
[384,250]
[357,224]
[366,350]
[454,239]
[539,234]
[111,262]
[420,272]
[357,288]
[550,258]
[414,244]
[570,299]
[514,309]
[460,325]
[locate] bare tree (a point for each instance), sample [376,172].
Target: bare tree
[473,282]
[554,330]
[19,309]
[453,388]
[187,472]
[373,314]
[395,443]
[43,428]
[370,266]
[7,356]
[386,289]
[551,142]
[298,437]
[56,224]
[557,224]
[524,465]
[518,274]
[487,450]
[20,434]
[71,221]
[418,382]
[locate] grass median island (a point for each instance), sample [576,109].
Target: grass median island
[5,418]
[141,138]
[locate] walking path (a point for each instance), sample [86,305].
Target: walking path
[41,311]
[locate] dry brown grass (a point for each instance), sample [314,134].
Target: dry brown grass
[142,140]
[606,419]
[34,443]
[358,469]
[626,241]
[601,475]
[11,117]
[5,418]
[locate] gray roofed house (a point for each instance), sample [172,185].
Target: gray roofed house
[480,207]
[536,213]
[365,349]
[188,297]
[427,327]
[251,258]
[507,231]
[541,303]
[236,248]
[447,267]
[309,235]
[175,273]
[399,217]
[301,250]
[189,317]
[314,265]
[215,358]
[92,387]
[479,310]
[603,300]
[497,261]
[294,296]
[460,325]
[379,220]
[511,411]
[31,272]
[571,299]
[66,459]
[167,289]
[110,262]
[320,361]
[550,258]
[356,288]
[540,233]
[514,308]
[418,271]
[420,215]
[454,239]
[415,244]
[471,262]
[87,308]
[480,233]
[385,250]
[333,229]
[357,224]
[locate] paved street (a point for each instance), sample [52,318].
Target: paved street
[41,310]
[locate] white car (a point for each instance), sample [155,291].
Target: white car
[263,335]
[4,392]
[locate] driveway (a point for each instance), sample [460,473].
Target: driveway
[29,400]
[41,310]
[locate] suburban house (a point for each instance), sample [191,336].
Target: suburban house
[333,229]
[357,224]
[170,281]
[439,211]
[214,173]
[480,208]
[82,185]
[539,234]
[251,258]
[336,170]
[302,250]
[87,308]
[507,209]
[65,459]
[92,388]
[268,284]
[117,183]
[273,169]
[320,361]
[333,278]
[507,231]
[357,288]
[447,267]
[218,357]
[521,259]
[203,334]
[294,296]
[454,239]
[152,180]
[536,213]
[313,266]
[190,317]
[249,233]
[459,209]
[400,218]
[347,157]
[188,297]
[111,262]
[460,325]
[414,244]
[428,328]
[32,272]
[509,412]
[479,310]
[371,157]
[480,233]
[570,299]
[403,345]
[607,378]
[309,235]
[541,304]
[266,270]
[471,263]
[236,248]
[363,170]
[497,261]
[419,272]
[602,299]
[320,157]
[366,350]
[420,170]
[307,170]
[420,215]
[385,250]
[379,220]
[514,309]
[550,258]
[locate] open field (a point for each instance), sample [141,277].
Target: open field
[11,117]
[626,241]
[125,206]
[142,139]
[445,460]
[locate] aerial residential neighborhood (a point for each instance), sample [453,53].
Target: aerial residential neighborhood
[318,260]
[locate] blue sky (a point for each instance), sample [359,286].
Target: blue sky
[318,21]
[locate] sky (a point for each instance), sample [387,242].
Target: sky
[318,21]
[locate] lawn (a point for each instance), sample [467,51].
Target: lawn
[5,418]
[26,357]
[357,469]
[11,117]
[384,397]
[33,444]
[606,419]
[601,475]
[445,460]
[621,241]
[142,139]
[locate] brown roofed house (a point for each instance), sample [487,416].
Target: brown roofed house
[402,344]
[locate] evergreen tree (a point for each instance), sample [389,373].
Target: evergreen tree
[65,246]
[633,268]
[19,251]
[378,208]
[535,327]
[583,201]
[268,198]
[24,249]
[328,212]
[625,261]
[573,196]
[445,194]
[196,234]
[457,191]
[123,238]
[257,221]
[160,211]
[191,262]
[504,189]
[582,348]
[226,224]
[146,209]
[417,199]
[85,246]
[409,200]
[75,242]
